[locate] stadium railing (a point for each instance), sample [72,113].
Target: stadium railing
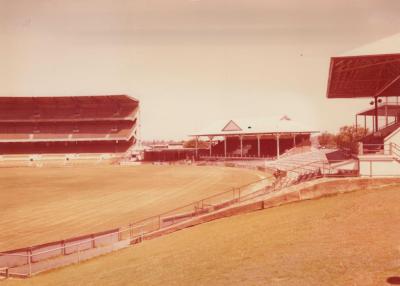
[389,149]
[32,260]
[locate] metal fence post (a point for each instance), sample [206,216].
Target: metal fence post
[63,247]
[30,262]
[79,253]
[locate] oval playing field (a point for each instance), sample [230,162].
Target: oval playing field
[349,239]
[39,205]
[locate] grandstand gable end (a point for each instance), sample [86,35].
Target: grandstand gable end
[231,126]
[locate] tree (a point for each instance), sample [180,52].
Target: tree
[192,144]
[349,136]
[327,139]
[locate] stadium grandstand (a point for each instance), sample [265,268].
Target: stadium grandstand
[373,71]
[68,125]
[253,138]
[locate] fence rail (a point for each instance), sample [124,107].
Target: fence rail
[32,260]
[391,149]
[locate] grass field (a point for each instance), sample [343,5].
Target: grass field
[39,205]
[351,239]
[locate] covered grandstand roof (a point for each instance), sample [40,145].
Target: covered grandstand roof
[76,98]
[67,108]
[253,126]
[369,71]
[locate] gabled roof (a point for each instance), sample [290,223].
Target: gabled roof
[252,126]
[231,126]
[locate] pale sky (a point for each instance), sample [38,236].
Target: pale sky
[191,62]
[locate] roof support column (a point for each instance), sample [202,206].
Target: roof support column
[294,140]
[356,123]
[365,122]
[241,145]
[210,140]
[197,146]
[277,146]
[373,124]
[376,113]
[386,111]
[258,146]
[225,138]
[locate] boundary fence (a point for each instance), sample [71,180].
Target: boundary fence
[32,260]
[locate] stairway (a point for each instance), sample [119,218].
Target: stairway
[373,142]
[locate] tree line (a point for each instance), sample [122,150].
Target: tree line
[347,138]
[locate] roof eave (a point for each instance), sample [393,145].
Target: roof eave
[253,133]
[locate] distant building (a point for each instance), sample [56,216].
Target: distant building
[168,152]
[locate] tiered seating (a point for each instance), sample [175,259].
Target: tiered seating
[374,142]
[49,131]
[299,164]
[122,130]
[85,124]
[307,176]
[65,147]
[298,168]
[67,130]
[11,113]
[66,108]
[250,146]
[13,136]
[15,131]
[91,130]
[238,151]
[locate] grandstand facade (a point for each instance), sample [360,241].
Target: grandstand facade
[253,137]
[373,72]
[68,125]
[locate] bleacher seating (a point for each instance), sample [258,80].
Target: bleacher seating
[67,130]
[83,124]
[250,148]
[374,141]
[300,164]
[298,168]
